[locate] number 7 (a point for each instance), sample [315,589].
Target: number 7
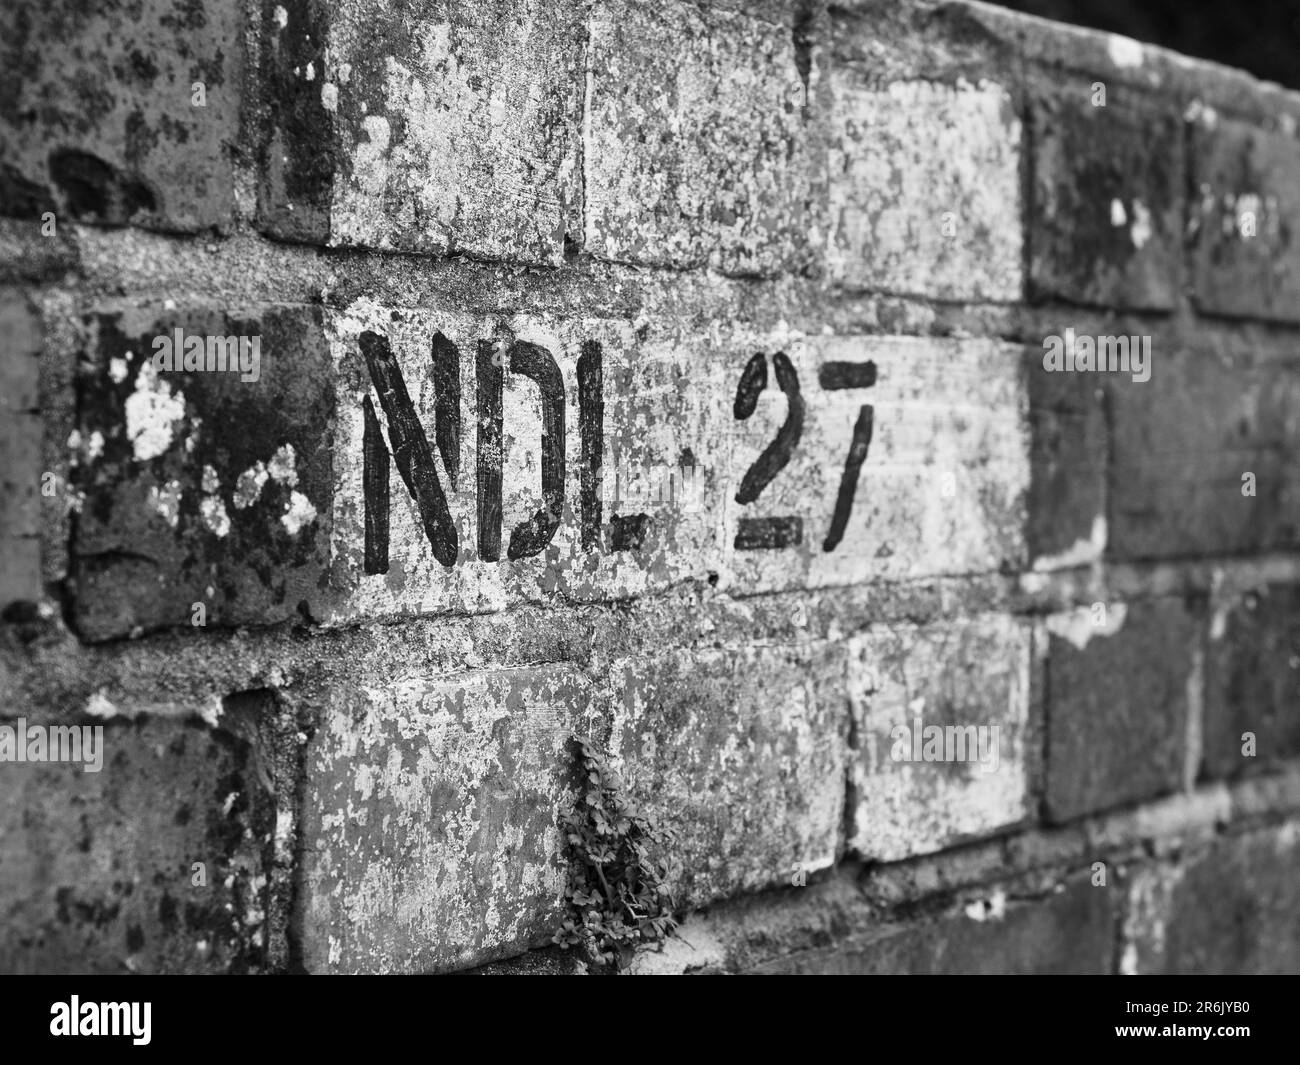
[839,375]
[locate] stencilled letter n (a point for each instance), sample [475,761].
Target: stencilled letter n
[411,454]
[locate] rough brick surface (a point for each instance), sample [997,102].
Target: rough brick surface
[442,128]
[20,444]
[1252,682]
[1216,408]
[947,452]
[924,182]
[1070,931]
[972,677]
[97,122]
[200,487]
[670,404]
[702,156]
[742,753]
[96,868]
[1120,687]
[1068,460]
[1106,225]
[1227,909]
[431,816]
[670,375]
[1242,219]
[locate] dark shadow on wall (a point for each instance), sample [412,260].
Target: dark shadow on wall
[1261,36]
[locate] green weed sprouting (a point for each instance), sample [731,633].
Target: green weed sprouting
[615,894]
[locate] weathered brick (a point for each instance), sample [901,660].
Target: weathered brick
[1242,219]
[947,453]
[1227,909]
[97,122]
[431,819]
[742,753]
[972,676]
[697,149]
[1106,227]
[435,128]
[924,188]
[1069,931]
[1120,678]
[1252,681]
[941,489]
[200,487]
[27,255]
[97,869]
[20,451]
[1216,408]
[458,439]
[548,961]
[1068,461]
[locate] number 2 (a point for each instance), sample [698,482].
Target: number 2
[757,533]
[754,533]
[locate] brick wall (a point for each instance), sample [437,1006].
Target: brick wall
[513,269]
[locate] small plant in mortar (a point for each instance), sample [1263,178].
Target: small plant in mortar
[616,894]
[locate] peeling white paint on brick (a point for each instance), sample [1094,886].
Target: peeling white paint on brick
[282,467]
[210,712]
[1195,718]
[1146,917]
[215,517]
[298,514]
[1080,553]
[192,438]
[993,908]
[151,412]
[1141,230]
[1081,625]
[1219,621]
[1124,51]
[695,946]
[99,705]
[248,486]
[166,501]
